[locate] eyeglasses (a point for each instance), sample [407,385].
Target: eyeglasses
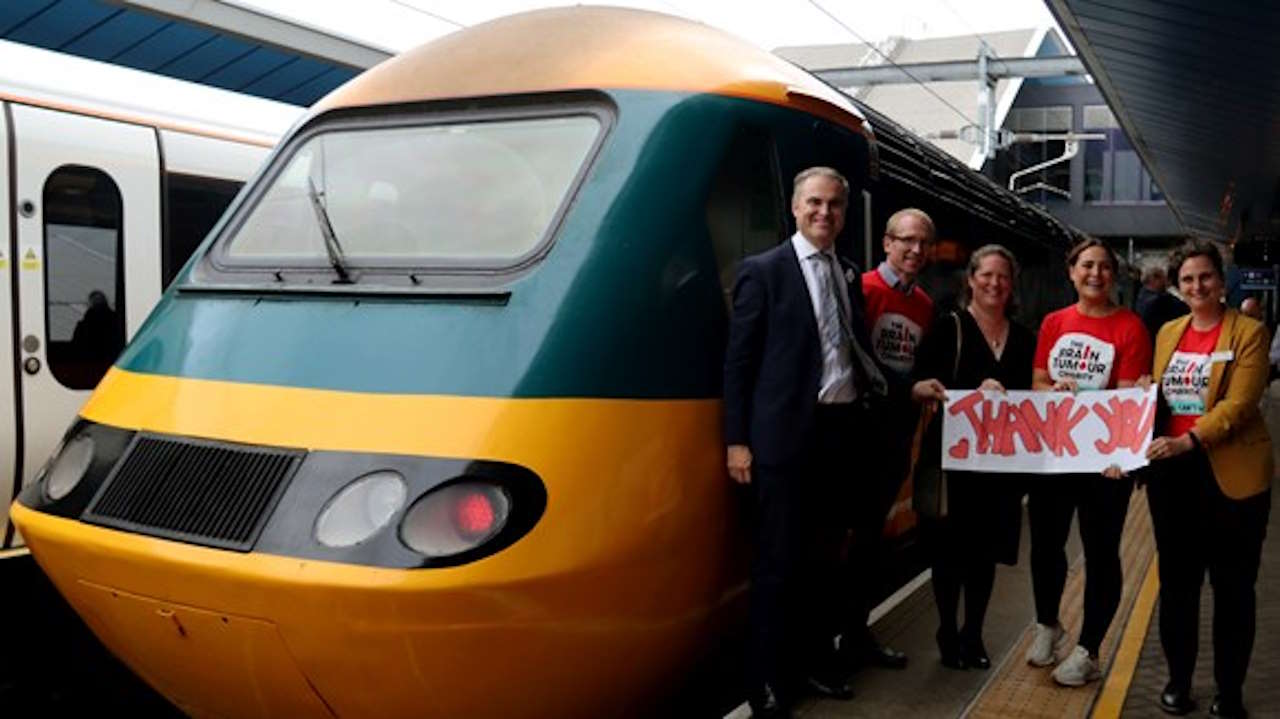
[917,242]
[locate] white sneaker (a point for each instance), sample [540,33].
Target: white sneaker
[1044,645]
[1077,669]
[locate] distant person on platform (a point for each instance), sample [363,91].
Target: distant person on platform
[1252,307]
[898,316]
[99,335]
[1155,304]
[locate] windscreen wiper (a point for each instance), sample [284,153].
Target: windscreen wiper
[331,244]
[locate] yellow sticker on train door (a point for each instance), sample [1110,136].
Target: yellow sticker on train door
[30,261]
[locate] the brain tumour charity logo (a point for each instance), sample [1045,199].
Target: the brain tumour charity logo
[894,338]
[1188,372]
[1083,358]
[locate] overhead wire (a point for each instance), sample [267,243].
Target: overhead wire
[889,60]
[428,13]
[981,38]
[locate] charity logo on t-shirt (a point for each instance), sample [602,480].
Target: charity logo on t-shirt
[1083,358]
[894,339]
[1185,383]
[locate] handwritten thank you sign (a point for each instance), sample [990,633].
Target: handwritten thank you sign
[1047,432]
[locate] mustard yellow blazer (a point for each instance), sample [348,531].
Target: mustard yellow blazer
[1231,429]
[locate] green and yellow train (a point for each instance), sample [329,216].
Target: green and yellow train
[430,424]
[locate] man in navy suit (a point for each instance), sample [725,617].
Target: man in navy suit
[798,376]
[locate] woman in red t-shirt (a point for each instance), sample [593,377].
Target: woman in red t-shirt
[1210,478]
[1092,344]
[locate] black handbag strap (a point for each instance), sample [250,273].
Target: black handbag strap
[955,364]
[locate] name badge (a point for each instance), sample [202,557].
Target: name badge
[1223,356]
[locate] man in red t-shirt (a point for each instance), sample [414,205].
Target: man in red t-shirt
[898,310]
[898,313]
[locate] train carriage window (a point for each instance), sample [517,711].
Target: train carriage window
[193,206]
[466,193]
[84,281]
[745,204]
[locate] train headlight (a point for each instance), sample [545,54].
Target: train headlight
[455,518]
[68,467]
[361,509]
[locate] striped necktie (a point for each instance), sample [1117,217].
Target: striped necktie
[836,331]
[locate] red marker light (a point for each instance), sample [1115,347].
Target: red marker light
[455,518]
[473,514]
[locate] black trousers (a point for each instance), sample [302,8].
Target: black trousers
[1198,528]
[798,535]
[1102,505]
[957,568]
[883,434]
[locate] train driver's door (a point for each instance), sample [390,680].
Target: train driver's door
[88,217]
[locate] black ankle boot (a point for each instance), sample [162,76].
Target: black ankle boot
[1176,699]
[949,650]
[973,653]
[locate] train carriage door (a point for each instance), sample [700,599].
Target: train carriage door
[9,419]
[88,228]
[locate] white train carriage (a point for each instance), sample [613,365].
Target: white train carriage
[109,179]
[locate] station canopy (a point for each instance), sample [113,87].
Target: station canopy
[211,42]
[1196,86]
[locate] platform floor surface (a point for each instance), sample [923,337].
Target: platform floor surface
[1131,658]
[1011,688]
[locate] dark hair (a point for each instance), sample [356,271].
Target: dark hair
[976,259]
[1195,248]
[1074,253]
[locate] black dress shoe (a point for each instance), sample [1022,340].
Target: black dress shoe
[1176,700]
[766,704]
[949,650]
[828,686]
[974,654]
[1228,708]
[884,656]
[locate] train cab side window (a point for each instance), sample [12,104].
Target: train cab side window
[84,278]
[194,206]
[745,205]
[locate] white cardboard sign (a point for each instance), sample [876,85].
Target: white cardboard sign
[1047,432]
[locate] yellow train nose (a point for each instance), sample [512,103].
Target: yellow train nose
[250,635]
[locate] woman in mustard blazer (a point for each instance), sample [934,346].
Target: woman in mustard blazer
[1210,481]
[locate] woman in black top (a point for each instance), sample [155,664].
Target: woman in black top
[983,512]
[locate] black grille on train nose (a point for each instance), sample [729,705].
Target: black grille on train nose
[209,493]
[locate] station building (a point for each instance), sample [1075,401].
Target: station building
[1104,190]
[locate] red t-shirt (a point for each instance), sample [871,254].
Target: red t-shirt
[896,320]
[1185,382]
[1097,352]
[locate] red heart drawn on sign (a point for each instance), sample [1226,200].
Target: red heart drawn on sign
[960,450]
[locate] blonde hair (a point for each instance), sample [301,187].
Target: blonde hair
[911,212]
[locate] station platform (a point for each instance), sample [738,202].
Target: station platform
[1133,664]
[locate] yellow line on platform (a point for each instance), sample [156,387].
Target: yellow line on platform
[1111,699]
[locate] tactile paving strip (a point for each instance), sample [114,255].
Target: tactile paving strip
[1262,684]
[1020,691]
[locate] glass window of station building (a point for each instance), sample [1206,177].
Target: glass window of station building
[1053,182]
[1113,172]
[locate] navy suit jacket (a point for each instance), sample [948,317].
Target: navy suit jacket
[773,364]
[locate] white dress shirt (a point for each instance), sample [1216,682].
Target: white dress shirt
[836,384]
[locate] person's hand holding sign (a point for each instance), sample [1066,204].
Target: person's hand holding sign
[1166,447]
[928,391]
[991,385]
[1065,385]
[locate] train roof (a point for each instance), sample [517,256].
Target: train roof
[580,48]
[55,80]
